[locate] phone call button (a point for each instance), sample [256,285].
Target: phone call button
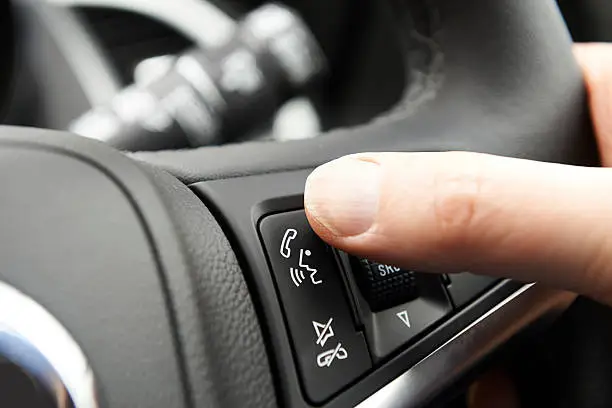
[330,352]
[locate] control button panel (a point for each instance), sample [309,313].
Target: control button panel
[384,286]
[464,287]
[330,352]
[390,329]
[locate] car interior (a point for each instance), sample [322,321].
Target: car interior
[154,249]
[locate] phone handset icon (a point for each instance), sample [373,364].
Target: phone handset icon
[285,250]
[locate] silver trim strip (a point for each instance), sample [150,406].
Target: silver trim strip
[198,20]
[37,342]
[444,365]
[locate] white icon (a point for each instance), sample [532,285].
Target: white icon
[326,358]
[324,331]
[312,271]
[290,235]
[297,276]
[385,270]
[403,316]
[240,73]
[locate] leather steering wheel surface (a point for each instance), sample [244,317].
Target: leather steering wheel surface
[152,262]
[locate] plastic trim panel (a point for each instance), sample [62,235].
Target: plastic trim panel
[503,311]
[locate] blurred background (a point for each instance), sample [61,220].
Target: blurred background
[63,58]
[66,64]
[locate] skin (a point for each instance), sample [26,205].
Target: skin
[457,211]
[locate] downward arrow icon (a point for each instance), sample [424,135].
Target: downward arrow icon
[403,316]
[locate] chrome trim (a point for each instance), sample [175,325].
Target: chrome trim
[201,21]
[436,371]
[33,339]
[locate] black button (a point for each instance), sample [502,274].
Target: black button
[391,329]
[330,353]
[464,287]
[384,286]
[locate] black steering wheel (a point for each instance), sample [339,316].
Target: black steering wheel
[148,280]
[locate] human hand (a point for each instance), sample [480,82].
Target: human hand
[454,212]
[457,211]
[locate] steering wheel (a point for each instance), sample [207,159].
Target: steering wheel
[153,279]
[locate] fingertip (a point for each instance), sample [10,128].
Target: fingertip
[595,59]
[341,197]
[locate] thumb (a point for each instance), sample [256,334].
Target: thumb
[453,212]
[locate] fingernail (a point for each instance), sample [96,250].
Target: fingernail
[342,195]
